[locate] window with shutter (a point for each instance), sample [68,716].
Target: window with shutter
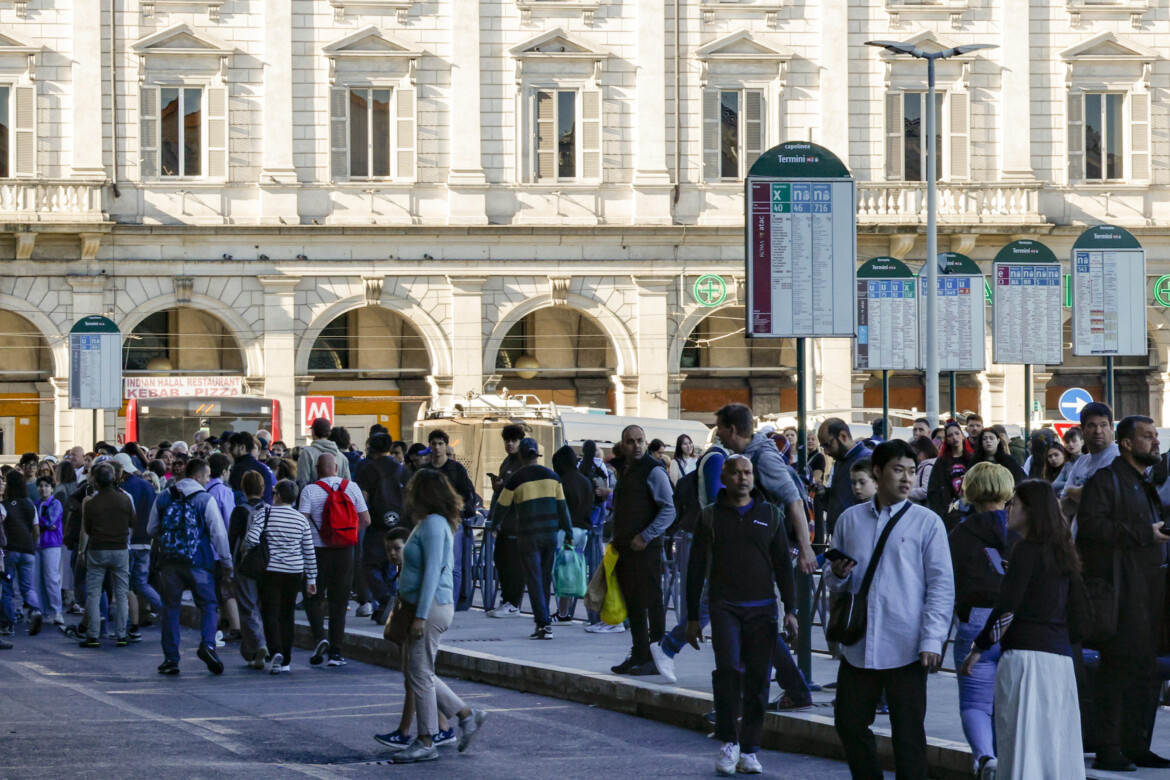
[959,148]
[1139,135]
[24,131]
[546,150]
[148,113]
[1076,137]
[406,134]
[753,129]
[217,132]
[591,134]
[711,134]
[1103,139]
[1160,142]
[181,131]
[894,124]
[338,134]
[914,138]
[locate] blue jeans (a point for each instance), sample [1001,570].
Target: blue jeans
[20,569]
[140,578]
[537,560]
[977,690]
[176,578]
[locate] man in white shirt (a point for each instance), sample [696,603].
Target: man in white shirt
[910,601]
[334,564]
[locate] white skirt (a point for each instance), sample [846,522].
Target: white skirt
[1037,718]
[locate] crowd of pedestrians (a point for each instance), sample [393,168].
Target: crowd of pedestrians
[1042,563]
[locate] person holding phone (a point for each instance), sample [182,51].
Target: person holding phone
[740,549]
[979,546]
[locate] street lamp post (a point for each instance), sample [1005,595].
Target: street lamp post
[930,269]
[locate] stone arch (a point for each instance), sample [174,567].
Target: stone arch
[609,322]
[685,328]
[249,342]
[438,348]
[57,340]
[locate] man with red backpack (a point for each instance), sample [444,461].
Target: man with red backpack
[337,511]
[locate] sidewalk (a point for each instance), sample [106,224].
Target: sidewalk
[575,666]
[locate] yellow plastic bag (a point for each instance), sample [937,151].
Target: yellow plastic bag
[613,610]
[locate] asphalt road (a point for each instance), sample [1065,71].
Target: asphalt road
[69,712]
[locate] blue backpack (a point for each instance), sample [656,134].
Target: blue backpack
[181,528]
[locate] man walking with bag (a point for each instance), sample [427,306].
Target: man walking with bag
[336,510]
[743,541]
[1122,542]
[892,561]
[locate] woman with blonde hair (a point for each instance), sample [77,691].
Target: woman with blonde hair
[426,586]
[979,546]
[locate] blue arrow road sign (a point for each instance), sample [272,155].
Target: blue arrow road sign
[1071,401]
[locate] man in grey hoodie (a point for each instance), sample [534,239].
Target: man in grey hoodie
[195,516]
[307,462]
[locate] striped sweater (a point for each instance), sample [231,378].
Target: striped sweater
[290,542]
[534,496]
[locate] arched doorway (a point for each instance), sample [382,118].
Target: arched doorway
[181,341]
[558,354]
[364,358]
[722,366]
[1131,382]
[26,399]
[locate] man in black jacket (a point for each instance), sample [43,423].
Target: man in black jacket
[743,539]
[382,480]
[506,555]
[579,498]
[1120,532]
[837,441]
[643,508]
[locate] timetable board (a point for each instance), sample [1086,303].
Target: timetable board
[95,364]
[1109,293]
[801,227]
[887,314]
[1027,305]
[962,314]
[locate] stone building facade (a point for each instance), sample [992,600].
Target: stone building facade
[379,199]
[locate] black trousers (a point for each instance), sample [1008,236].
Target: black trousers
[1125,691]
[334,580]
[639,576]
[510,569]
[858,693]
[744,639]
[278,603]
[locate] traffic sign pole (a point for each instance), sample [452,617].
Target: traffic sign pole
[1109,399]
[803,581]
[952,392]
[1028,404]
[885,404]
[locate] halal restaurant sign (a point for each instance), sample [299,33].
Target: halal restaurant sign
[146,387]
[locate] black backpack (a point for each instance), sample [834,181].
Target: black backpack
[687,506]
[385,502]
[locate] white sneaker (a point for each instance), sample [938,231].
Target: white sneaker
[990,770]
[364,610]
[664,662]
[274,663]
[505,610]
[219,639]
[749,765]
[728,759]
[605,628]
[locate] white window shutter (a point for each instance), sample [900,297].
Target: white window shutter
[753,127]
[148,133]
[1160,142]
[711,134]
[895,121]
[339,134]
[217,132]
[405,132]
[1076,136]
[546,146]
[591,134]
[960,138]
[25,132]
[1139,136]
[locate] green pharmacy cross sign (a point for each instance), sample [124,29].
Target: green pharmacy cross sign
[710,290]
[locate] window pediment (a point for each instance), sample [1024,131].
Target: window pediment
[18,53]
[742,55]
[908,73]
[372,52]
[1108,61]
[561,53]
[1108,47]
[182,49]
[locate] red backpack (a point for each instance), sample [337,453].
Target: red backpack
[339,517]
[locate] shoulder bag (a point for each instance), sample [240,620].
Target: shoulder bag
[254,563]
[848,615]
[398,626]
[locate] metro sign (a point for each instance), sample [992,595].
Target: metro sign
[315,406]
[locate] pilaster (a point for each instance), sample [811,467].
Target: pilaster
[86,92]
[467,358]
[279,346]
[652,184]
[278,175]
[1016,91]
[467,185]
[653,357]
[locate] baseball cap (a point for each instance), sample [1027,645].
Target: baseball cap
[126,463]
[529,448]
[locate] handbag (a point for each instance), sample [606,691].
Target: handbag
[398,626]
[569,574]
[254,563]
[848,614]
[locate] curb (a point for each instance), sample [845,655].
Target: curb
[806,733]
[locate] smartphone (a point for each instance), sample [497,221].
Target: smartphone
[833,555]
[995,559]
[493,476]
